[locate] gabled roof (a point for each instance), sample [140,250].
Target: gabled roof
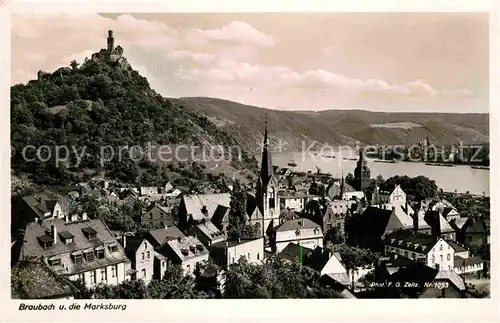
[195,203]
[298,224]
[210,230]
[132,243]
[293,252]
[185,248]
[476,227]
[460,262]
[432,216]
[160,236]
[458,224]
[40,204]
[453,277]
[373,221]
[35,230]
[40,282]
[411,240]
[220,215]
[456,246]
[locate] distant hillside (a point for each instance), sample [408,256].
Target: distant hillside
[339,127]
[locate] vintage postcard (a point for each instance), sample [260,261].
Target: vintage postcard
[163,159]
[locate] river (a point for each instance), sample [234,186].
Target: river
[460,178]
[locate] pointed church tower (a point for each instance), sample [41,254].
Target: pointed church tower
[362,173]
[342,186]
[267,189]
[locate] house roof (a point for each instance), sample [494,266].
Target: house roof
[456,246]
[231,243]
[341,206]
[36,230]
[195,203]
[417,273]
[161,236]
[432,216]
[210,230]
[453,277]
[460,262]
[376,221]
[411,240]
[298,224]
[40,282]
[220,215]
[319,258]
[293,252]
[40,204]
[341,278]
[185,248]
[459,223]
[476,227]
[132,244]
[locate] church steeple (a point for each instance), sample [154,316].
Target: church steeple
[266,167]
[342,186]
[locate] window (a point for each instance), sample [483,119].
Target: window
[441,257]
[148,255]
[145,245]
[188,268]
[113,271]
[55,262]
[143,256]
[406,253]
[449,267]
[92,277]
[113,248]
[163,263]
[413,256]
[89,256]
[248,256]
[78,259]
[103,274]
[233,261]
[441,248]
[448,257]
[100,254]
[433,258]
[258,256]
[144,272]
[68,241]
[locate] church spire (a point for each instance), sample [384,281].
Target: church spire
[266,167]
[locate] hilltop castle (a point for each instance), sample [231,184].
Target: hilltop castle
[111,52]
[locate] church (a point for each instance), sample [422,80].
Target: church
[263,208]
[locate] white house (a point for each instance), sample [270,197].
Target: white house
[303,232]
[188,252]
[229,252]
[77,248]
[396,197]
[432,250]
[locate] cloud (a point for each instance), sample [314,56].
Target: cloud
[238,32]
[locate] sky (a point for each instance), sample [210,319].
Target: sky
[404,62]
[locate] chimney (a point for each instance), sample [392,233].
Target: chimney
[239,240]
[84,217]
[415,221]
[437,224]
[66,218]
[124,240]
[53,230]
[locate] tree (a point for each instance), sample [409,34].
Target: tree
[74,64]
[334,235]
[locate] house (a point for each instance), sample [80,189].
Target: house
[431,250]
[335,215]
[337,189]
[151,191]
[290,200]
[38,281]
[38,206]
[469,266]
[439,225]
[157,216]
[220,218]
[188,252]
[141,253]
[301,231]
[395,196]
[460,226]
[193,208]
[159,237]
[160,263]
[229,252]
[368,229]
[208,233]
[294,253]
[325,262]
[422,281]
[81,249]
[212,280]
[475,233]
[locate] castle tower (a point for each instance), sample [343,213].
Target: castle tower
[111,41]
[267,194]
[362,173]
